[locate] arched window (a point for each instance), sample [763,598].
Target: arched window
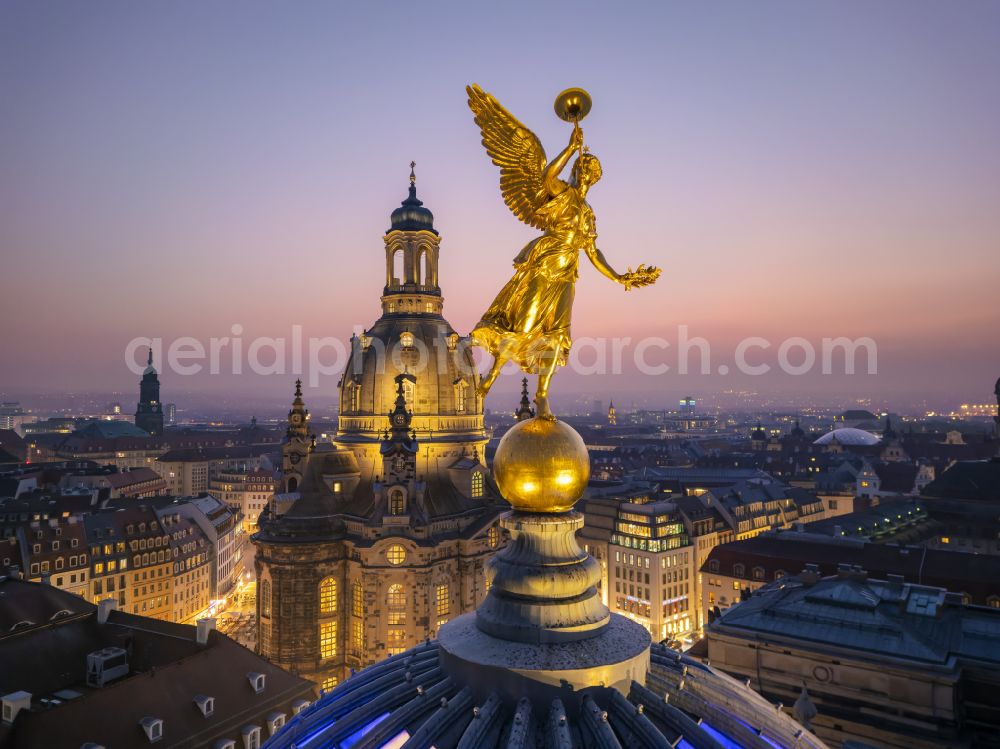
[398,270]
[357,599]
[397,503]
[477,484]
[396,598]
[293,484]
[328,596]
[425,267]
[265,598]
[738,570]
[408,393]
[758,573]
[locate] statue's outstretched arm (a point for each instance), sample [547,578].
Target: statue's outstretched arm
[601,263]
[632,279]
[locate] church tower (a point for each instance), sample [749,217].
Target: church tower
[524,410]
[612,418]
[149,411]
[297,442]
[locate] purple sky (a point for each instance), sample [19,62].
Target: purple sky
[797,169]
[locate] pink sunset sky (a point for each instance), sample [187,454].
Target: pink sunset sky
[796,169]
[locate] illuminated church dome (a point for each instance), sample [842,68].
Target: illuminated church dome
[848,436]
[412,337]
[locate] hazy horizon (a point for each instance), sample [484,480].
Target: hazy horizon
[814,171]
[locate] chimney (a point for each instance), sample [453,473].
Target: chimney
[104,608]
[205,626]
[810,575]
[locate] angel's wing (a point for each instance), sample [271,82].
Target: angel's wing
[516,150]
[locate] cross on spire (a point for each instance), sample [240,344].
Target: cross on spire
[413,173]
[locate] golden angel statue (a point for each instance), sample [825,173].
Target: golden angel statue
[529,320]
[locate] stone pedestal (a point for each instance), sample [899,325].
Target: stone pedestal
[544,586]
[611,659]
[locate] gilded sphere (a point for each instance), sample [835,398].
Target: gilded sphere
[541,465]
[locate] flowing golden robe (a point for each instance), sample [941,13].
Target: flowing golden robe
[530,318]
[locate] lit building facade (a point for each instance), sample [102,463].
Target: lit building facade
[244,491]
[651,569]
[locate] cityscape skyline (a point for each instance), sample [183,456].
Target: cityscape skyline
[232,192]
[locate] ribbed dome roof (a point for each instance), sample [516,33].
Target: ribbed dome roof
[412,215]
[409,700]
[848,436]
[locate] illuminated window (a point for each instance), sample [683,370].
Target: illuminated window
[328,639]
[328,596]
[396,598]
[442,600]
[406,339]
[265,638]
[329,683]
[408,393]
[265,598]
[391,307]
[493,536]
[396,641]
[428,307]
[357,636]
[397,504]
[945,540]
[355,391]
[357,599]
[477,484]
[459,396]
[396,554]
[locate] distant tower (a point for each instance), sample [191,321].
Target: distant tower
[888,433]
[996,392]
[149,412]
[612,419]
[758,437]
[797,431]
[296,447]
[524,411]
